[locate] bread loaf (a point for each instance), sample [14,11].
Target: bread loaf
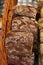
[24,10]
[22,23]
[19,41]
[20,60]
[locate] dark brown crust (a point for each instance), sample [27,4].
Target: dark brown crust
[19,60]
[19,43]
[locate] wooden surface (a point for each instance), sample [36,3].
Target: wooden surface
[3,60]
[8,5]
[13,3]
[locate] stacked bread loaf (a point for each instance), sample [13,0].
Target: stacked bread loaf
[41,36]
[19,41]
[41,39]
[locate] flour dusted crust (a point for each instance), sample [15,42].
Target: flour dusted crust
[25,10]
[19,41]
[20,60]
[19,47]
[22,23]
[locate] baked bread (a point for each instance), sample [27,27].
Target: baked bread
[19,41]
[24,10]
